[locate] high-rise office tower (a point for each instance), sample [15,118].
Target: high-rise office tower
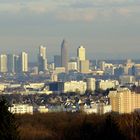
[64,55]
[17,64]
[83,64]
[3,63]
[42,60]
[81,53]
[24,62]
[57,60]
[42,51]
[11,63]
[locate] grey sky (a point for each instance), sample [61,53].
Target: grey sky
[107,28]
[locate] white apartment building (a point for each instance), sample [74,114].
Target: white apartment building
[91,84]
[34,85]
[89,109]
[99,108]
[107,84]
[75,86]
[43,109]
[123,100]
[21,109]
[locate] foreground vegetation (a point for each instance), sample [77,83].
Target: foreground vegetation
[68,126]
[79,126]
[8,124]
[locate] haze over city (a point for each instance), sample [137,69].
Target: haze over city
[107,29]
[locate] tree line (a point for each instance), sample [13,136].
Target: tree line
[68,126]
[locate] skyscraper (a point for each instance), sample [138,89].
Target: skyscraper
[17,64]
[24,62]
[57,60]
[64,55]
[42,51]
[42,60]
[81,53]
[11,63]
[3,63]
[83,64]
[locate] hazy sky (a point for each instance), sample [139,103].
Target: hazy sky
[107,28]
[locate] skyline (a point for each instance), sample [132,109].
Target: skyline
[107,29]
[33,54]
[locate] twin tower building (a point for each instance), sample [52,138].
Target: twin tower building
[14,63]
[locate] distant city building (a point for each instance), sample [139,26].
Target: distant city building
[64,55]
[54,77]
[123,100]
[42,60]
[11,63]
[102,65]
[42,51]
[59,70]
[51,67]
[75,86]
[72,66]
[128,66]
[17,64]
[91,84]
[24,62]
[56,86]
[81,53]
[118,71]
[84,66]
[34,70]
[34,86]
[72,86]
[108,68]
[125,79]
[106,84]
[57,60]
[3,63]
[136,70]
